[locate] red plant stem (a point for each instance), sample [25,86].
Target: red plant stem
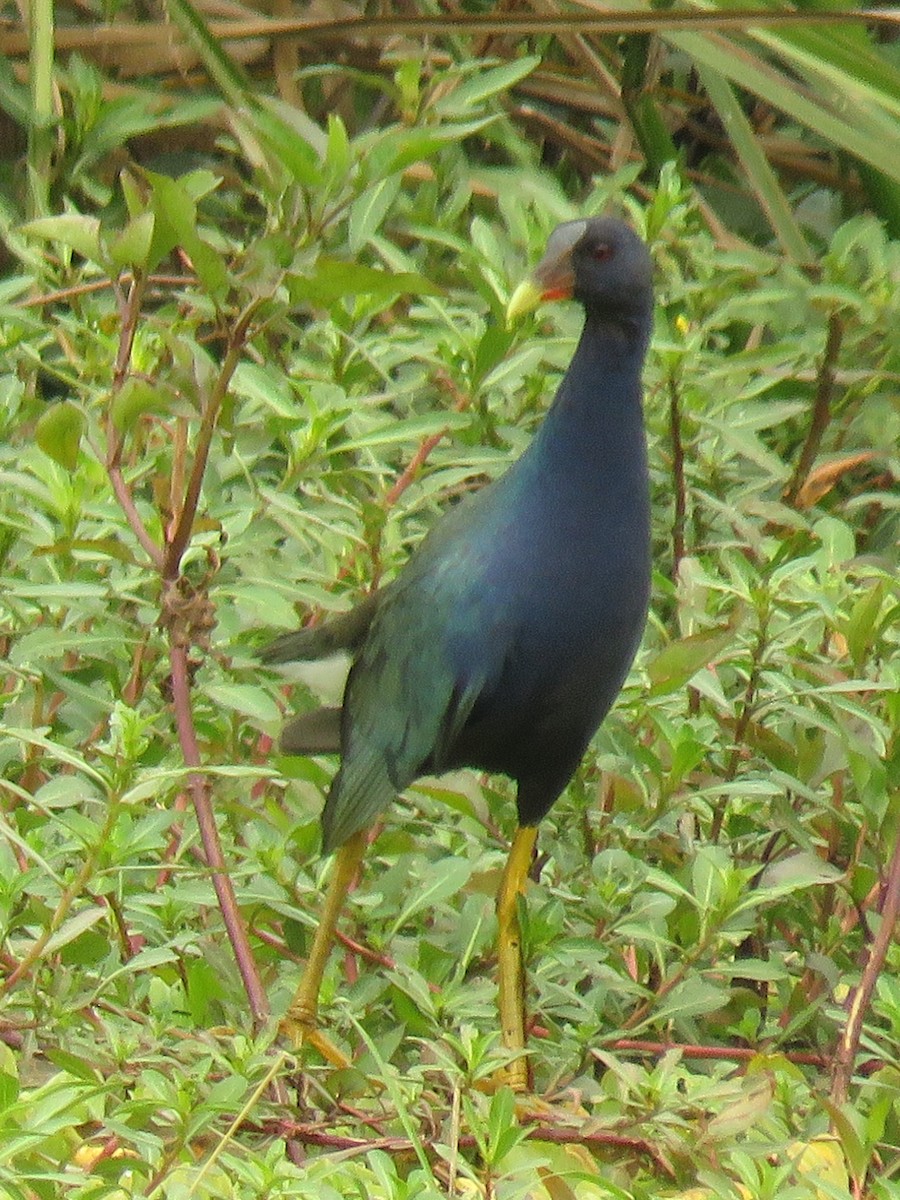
[318,1135]
[209,834]
[129,508]
[729,1053]
[858,1002]
[185,524]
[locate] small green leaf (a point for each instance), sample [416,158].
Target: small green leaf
[678,662]
[135,398]
[134,193]
[58,433]
[338,156]
[334,278]
[79,233]
[368,211]
[485,84]
[246,699]
[131,247]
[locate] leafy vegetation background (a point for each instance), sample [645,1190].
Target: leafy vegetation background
[252,345]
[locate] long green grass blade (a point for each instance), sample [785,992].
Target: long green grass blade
[776,88]
[759,173]
[223,70]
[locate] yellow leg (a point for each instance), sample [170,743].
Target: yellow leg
[299,1022]
[511,997]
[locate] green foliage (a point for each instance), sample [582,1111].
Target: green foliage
[321,309]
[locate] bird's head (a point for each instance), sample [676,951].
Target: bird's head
[599,261]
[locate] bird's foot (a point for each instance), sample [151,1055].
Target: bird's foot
[515,1074]
[301,1032]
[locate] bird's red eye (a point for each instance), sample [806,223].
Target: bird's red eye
[603,252]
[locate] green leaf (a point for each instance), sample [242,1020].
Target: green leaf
[131,247]
[853,132]
[486,83]
[175,211]
[678,662]
[246,699]
[134,399]
[400,431]
[290,149]
[369,210]
[335,278]
[762,178]
[228,76]
[861,623]
[75,926]
[79,233]
[58,433]
[445,878]
[799,870]
[338,156]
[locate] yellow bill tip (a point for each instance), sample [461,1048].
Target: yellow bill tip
[524,299]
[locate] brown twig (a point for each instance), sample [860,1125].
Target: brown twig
[858,1002]
[61,295]
[14,42]
[209,834]
[181,536]
[318,1135]
[821,413]
[714,1053]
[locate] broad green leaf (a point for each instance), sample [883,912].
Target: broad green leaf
[677,663]
[246,699]
[369,210]
[745,1113]
[798,870]
[394,432]
[483,84]
[445,878]
[821,1164]
[175,224]
[131,247]
[79,233]
[58,433]
[333,279]
[291,150]
[134,399]
[75,926]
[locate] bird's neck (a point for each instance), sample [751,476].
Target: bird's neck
[596,417]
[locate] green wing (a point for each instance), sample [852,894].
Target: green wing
[402,706]
[406,698]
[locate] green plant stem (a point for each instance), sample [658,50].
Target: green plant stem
[743,721]
[679,487]
[75,889]
[40,130]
